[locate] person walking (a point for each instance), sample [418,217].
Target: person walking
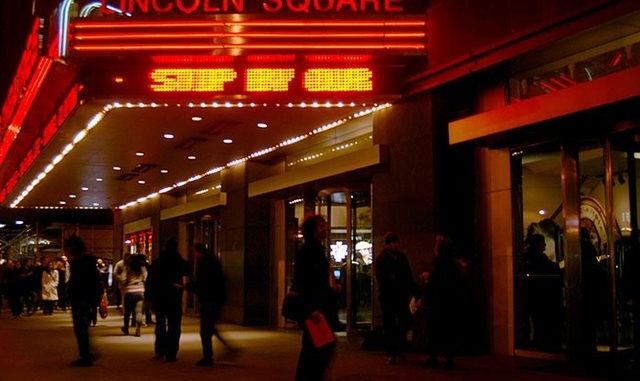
[135,275]
[397,287]
[444,302]
[209,287]
[317,296]
[49,289]
[544,295]
[84,293]
[164,290]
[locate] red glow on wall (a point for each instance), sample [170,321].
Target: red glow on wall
[270,79]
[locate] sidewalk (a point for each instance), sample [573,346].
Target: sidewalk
[40,348]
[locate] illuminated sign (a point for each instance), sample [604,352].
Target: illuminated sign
[261,79]
[263,6]
[28,64]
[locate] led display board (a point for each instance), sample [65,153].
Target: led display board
[248,78]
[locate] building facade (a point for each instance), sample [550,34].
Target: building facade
[489,121]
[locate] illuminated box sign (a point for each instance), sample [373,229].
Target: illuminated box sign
[156,7]
[262,80]
[284,81]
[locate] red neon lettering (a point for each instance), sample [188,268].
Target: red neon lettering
[303,6]
[319,7]
[181,80]
[389,6]
[237,4]
[183,8]
[142,4]
[268,79]
[157,8]
[347,3]
[276,5]
[375,4]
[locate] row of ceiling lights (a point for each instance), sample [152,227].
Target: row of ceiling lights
[168,136]
[93,122]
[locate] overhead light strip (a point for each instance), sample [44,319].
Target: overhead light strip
[267,35]
[129,24]
[246,46]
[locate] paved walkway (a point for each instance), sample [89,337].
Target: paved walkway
[40,348]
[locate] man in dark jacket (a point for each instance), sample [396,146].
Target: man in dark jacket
[164,289]
[397,286]
[84,293]
[209,286]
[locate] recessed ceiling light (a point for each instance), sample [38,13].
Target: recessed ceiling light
[191,157]
[164,170]
[227,141]
[72,195]
[141,182]
[2,225]
[84,188]
[168,136]
[196,118]
[116,168]
[19,222]
[62,202]
[98,179]
[140,154]
[262,125]
[96,204]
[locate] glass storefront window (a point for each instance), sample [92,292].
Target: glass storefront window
[580,68]
[539,289]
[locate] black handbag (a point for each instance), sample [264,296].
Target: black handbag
[292,307]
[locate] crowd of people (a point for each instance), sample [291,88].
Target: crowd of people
[156,288]
[30,286]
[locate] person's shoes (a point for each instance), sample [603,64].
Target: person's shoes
[138,330]
[430,363]
[204,362]
[393,360]
[125,330]
[81,363]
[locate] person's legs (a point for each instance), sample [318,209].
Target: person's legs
[127,304]
[174,330]
[160,344]
[206,334]
[80,314]
[138,301]
[389,331]
[313,362]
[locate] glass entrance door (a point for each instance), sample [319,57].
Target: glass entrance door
[582,200]
[624,261]
[350,240]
